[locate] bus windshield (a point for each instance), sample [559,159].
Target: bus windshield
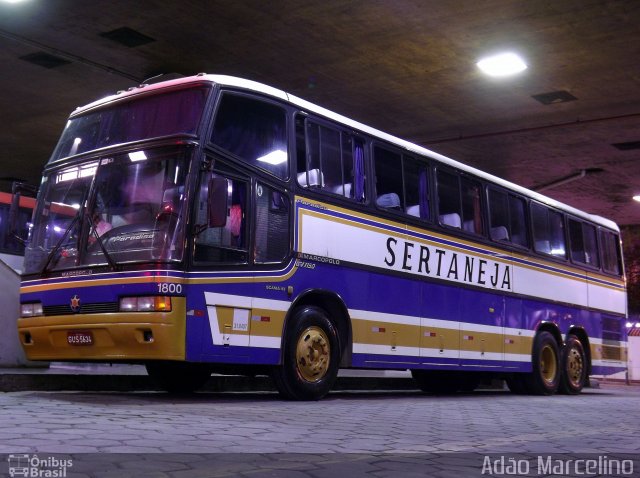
[121,208]
[152,116]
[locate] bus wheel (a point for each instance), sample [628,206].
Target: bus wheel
[178,377]
[310,358]
[574,366]
[544,378]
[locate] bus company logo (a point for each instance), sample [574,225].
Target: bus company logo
[75,303]
[32,466]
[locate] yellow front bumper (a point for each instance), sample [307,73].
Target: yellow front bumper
[116,336]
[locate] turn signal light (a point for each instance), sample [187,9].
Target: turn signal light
[153,303]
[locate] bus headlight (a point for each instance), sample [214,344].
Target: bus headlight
[31,310]
[153,303]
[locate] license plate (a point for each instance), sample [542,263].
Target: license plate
[80,337]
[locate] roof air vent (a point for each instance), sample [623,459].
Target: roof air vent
[45,60]
[629,145]
[554,97]
[128,37]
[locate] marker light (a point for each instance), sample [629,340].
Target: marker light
[504,64]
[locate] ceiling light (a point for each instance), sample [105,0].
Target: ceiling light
[636,197]
[504,64]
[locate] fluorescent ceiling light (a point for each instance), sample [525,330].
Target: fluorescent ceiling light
[274,157]
[137,156]
[504,64]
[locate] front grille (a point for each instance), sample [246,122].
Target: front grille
[96,308]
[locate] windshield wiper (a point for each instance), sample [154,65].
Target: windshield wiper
[55,249]
[113,264]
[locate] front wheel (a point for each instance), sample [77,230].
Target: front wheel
[544,378]
[311,356]
[574,367]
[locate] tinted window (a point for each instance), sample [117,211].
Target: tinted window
[610,252]
[459,203]
[584,247]
[147,116]
[254,131]
[388,166]
[507,218]
[548,231]
[330,160]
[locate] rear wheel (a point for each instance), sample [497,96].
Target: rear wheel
[179,377]
[311,356]
[574,366]
[544,378]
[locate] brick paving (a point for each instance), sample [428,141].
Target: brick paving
[358,434]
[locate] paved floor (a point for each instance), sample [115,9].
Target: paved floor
[369,434]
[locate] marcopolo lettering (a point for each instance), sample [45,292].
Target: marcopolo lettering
[446,264]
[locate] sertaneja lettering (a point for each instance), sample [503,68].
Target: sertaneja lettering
[446,264]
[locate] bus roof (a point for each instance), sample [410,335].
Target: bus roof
[232,81]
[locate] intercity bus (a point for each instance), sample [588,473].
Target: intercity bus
[215,224]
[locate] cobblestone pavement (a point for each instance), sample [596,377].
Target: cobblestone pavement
[362,434]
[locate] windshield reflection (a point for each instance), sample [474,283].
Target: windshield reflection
[125,208]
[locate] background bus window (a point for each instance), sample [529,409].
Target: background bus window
[272,225]
[584,247]
[507,218]
[416,188]
[388,167]
[548,231]
[610,252]
[255,131]
[229,242]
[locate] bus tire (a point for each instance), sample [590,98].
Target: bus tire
[310,358]
[544,378]
[178,377]
[573,366]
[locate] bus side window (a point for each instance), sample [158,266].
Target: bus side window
[471,206]
[548,231]
[416,187]
[507,218]
[449,200]
[329,159]
[227,243]
[610,252]
[584,247]
[272,225]
[388,169]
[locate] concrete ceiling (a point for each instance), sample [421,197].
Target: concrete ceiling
[406,67]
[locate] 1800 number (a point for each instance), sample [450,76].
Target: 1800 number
[169,288]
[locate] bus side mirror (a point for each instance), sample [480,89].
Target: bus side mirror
[217,204]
